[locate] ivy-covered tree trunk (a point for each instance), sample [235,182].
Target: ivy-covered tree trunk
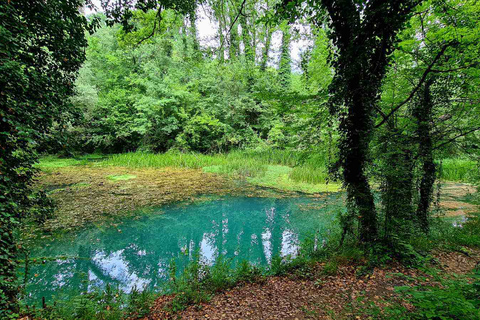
[364,34]
[266,49]
[221,48]
[247,39]
[193,30]
[423,116]
[356,126]
[234,47]
[397,185]
[285,68]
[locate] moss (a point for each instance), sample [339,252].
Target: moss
[122,177]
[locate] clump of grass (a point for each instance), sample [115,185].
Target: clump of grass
[308,174]
[459,170]
[238,169]
[162,160]
[198,282]
[279,177]
[196,160]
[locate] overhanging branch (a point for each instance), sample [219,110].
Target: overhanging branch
[456,137]
[417,87]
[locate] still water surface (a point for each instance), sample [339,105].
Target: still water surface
[138,252]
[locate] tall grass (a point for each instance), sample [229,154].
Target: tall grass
[196,160]
[309,174]
[169,159]
[460,170]
[243,163]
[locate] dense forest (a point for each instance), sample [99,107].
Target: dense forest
[376,101]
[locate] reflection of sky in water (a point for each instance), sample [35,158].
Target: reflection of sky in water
[252,229]
[116,268]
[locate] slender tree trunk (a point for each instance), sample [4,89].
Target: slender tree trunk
[266,49]
[193,30]
[234,43]
[247,39]
[221,50]
[423,115]
[285,68]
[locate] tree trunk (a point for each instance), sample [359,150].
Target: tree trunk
[193,31]
[247,39]
[285,68]
[423,115]
[234,43]
[397,190]
[266,49]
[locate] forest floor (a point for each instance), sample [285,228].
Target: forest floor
[346,294]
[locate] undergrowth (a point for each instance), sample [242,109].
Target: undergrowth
[457,298]
[108,304]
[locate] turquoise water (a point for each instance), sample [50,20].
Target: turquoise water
[138,252]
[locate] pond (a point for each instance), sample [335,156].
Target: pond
[138,252]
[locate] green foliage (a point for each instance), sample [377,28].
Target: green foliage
[108,304]
[463,170]
[454,299]
[165,93]
[199,281]
[41,49]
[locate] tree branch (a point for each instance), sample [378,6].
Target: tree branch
[233,22]
[414,91]
[456,137]
[456,69]
[157,16]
